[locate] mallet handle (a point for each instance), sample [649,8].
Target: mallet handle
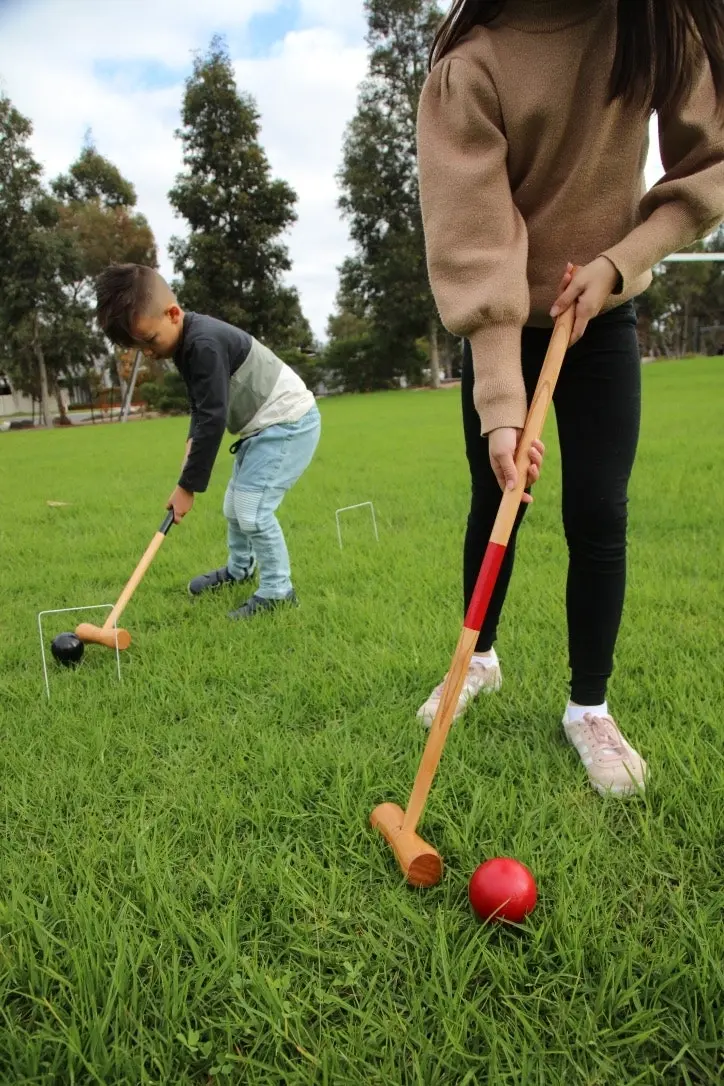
[137,575]
[488,575]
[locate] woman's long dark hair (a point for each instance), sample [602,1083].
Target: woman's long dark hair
[652,65]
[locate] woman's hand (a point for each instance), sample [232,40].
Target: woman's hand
[502,445]
[587,289]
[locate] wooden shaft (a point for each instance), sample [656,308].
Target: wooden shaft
[534,423]
[440,727]
[137,575]
[494,554]
[134,580]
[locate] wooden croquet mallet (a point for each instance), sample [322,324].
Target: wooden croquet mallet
[420,863]
[109,631]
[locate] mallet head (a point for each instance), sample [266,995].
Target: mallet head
[98,635]
[420,863]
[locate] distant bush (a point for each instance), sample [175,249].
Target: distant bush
[167,395]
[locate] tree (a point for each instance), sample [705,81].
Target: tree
[232,262]
[352,359]
[98,210]
[380,194]
[357,357]
[683,309]
[97,213]
[94,178]
[33,259]
[51,247]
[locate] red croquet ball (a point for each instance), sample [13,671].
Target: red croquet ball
[502,889]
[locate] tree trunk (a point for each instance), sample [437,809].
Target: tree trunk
[64,420]
[434,354]
[45,414]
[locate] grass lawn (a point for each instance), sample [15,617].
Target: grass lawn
[189,888]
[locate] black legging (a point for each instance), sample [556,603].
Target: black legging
[598,406]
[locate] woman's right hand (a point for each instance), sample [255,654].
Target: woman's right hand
[502,446]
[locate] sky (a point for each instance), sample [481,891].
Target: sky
[117,67]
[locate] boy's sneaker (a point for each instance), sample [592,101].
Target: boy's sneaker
[613,766]
[256,605]
[207,582]
[481,678]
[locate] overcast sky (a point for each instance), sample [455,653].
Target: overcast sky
[118,68]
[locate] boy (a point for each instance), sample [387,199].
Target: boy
[235,383]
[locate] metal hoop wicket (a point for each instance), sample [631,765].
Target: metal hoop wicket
[64,611]
[360,505]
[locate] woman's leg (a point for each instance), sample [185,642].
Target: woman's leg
[598,401]
[598,408]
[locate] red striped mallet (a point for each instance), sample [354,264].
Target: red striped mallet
[421,863]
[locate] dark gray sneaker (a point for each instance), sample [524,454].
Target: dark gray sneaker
[206,582]
[256,605]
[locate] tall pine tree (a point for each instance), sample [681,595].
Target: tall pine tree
[232,262]
[380,195]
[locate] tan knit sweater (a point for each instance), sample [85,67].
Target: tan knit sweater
[524,165]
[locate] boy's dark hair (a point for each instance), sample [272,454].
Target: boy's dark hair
[125,292]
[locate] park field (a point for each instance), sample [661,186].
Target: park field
[190,891]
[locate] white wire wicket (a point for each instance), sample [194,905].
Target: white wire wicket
[360,505]
[65,611]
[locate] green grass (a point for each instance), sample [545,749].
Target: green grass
[189,888]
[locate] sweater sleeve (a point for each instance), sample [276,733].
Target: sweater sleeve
[475,237]
[208,384]
[688,202]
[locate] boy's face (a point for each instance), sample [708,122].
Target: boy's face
[158,336]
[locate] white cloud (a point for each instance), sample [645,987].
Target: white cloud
[336,14]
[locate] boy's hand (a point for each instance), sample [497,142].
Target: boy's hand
[502,445]
[181,501]
[587,289]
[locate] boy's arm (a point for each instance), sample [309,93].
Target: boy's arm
[180,500]
[208,380]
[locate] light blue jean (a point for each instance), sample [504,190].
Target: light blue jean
[266,466]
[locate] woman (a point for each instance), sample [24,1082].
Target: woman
[532,140]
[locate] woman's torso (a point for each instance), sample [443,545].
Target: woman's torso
[575,160]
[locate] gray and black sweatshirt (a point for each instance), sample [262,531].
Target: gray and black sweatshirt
[234,383]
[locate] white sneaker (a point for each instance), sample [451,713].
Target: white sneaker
[612,764]
[481,678]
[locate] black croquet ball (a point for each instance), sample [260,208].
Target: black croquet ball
[67,649]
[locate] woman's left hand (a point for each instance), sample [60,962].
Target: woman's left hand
[588,290]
